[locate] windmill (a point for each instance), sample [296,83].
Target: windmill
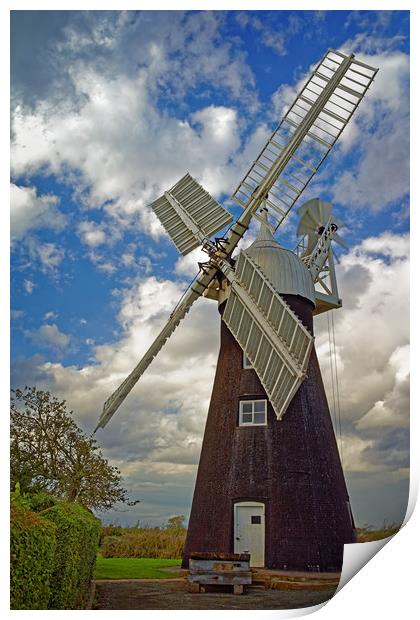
[270,480]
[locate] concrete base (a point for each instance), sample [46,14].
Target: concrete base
[294,580]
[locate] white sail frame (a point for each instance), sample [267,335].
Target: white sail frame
[189,214]
[305,135]
[272,336]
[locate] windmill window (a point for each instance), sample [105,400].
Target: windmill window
[252,413]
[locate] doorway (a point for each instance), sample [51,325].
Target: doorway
[249,531]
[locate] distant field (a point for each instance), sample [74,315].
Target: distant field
[134,568]
[368,534]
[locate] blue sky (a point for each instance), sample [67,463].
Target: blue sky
[109,109]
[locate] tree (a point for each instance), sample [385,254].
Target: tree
[49,452]
[176,523]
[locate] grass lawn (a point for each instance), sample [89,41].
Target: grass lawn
[133,568]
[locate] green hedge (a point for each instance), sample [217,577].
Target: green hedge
[53,555]
[32,552]
[78,534]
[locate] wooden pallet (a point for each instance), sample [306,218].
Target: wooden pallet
[219,569]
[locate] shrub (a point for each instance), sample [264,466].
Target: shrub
[32,501]
[176,524]
[368,533]
[110,530]
[77,541]
[88,552]
[144,542]
[41,501]
[32,547]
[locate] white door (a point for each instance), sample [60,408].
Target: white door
[249,531]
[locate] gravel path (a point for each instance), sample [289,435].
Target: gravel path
[173,594]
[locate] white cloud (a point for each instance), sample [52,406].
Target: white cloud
[387,244]
[372,349]
[272,37]
[145,264]
[188,265]
[285,94]
[48,316]
[142,263]
[380,134]
[392,409]
[181,50]
[50,255]
[29,286]
[124,162]
[103,31]
[49,336]
[353,454]
[127,259]
[102,262]
[91,233]
[30,211]
[17,314]
[113,141]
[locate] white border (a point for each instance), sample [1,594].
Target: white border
[386,587]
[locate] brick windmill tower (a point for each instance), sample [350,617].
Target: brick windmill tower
[270,481]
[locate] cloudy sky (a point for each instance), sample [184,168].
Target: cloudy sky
[109,109]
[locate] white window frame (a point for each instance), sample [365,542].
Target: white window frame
[252,402]
[246,364]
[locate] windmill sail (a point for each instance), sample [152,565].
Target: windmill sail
[281,172]
[189,214]
[273,338]
[183,306]
[305,135]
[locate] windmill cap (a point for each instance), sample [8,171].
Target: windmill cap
[282,267]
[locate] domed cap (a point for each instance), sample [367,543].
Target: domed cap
[282,267]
